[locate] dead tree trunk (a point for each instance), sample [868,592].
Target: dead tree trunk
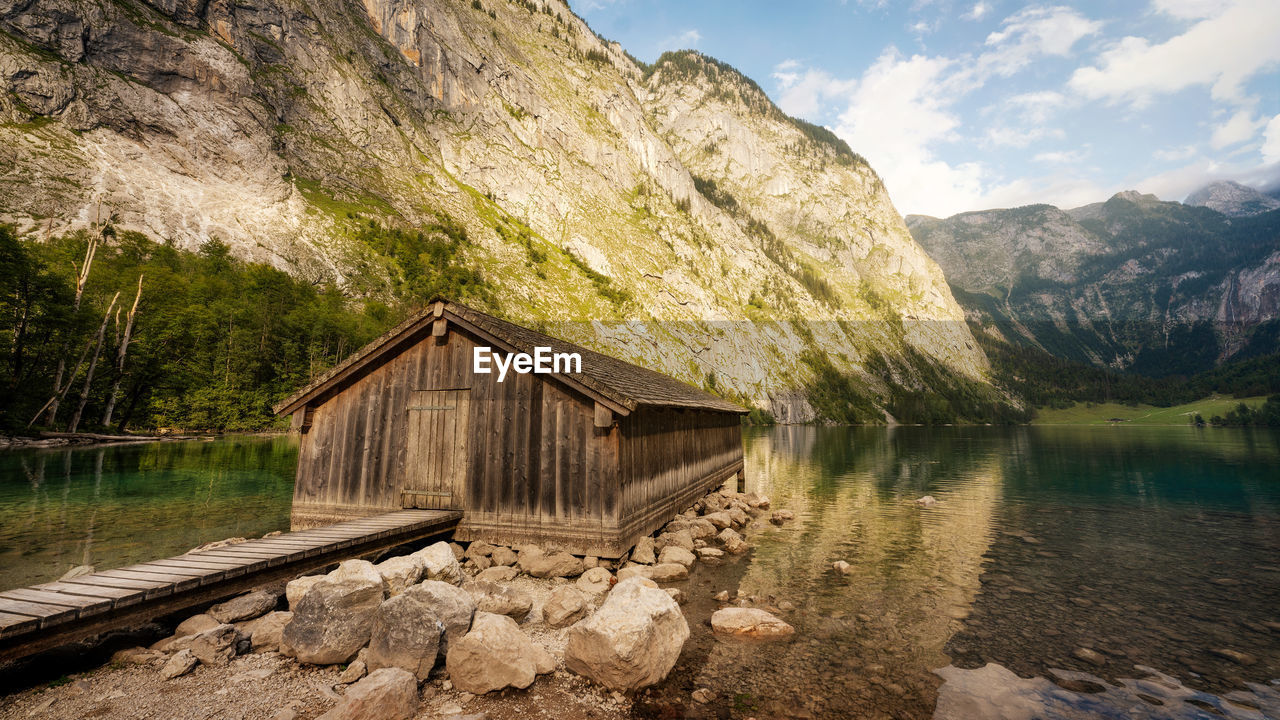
[93,364]
[120,354]
[82,277]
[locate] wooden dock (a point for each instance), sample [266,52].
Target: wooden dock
[45,616]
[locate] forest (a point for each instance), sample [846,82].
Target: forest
[105,330]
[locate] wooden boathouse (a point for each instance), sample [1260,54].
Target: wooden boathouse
[588,462]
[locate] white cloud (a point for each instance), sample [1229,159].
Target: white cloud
[1222,52]
[1239,128]
[1061,157]
[1020,137]
[1271,141]
[978,11]
[1190,9]
[1180,182]
[1037,107]
[1031,33]
[683,41]
[1175,154]
[804,93]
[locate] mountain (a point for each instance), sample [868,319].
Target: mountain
[1232,199]
[1132,283]
[671,214]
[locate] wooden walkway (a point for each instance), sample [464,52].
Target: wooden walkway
[46,616]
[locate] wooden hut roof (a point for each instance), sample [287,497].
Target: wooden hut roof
[619,385]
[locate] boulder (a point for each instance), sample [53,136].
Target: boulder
[478,549]
[503,556]
[195,624]
[595,581]
[216,646]
[386,694]
[757,502]
[680,538]
[677,594]
[673,554]
[632,641]
[780,516]
[493,656]
[668,572]
[298,587]
[356,670]
[458,552]
[499,599]
[406,634]
[749,622]
[632,571]
[264,632]
[333,620]
[564,607]
[439,563]
[500,573]
[589,562]
[732,541]
[136,656]
[740,518]
[643,553]
[709,552]
[398,573]
[714,502]
[180,664]
[245,607]
[701,529]
[557,563]
[842,567]
[720,519]
[451,604]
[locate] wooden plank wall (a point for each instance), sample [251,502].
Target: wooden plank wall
[668,458]
[539,471]
[350,463]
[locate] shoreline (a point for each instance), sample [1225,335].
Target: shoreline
[81,440]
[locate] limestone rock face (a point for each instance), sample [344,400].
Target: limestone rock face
[632,641]
[499,599]
[333,620]
[493,656]
[749,622]
[406,634]
[386,694]
[439,563]
[451,604]
[244,607]
[189,134]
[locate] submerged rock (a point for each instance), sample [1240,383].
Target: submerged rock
[926,501]
[673,554]
[842,567]
[749,622]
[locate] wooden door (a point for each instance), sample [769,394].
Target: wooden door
[435,472]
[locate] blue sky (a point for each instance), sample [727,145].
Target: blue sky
[966,105]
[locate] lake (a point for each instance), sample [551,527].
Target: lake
[1064,571]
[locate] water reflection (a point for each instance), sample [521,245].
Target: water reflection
[1149,546]
[112,506]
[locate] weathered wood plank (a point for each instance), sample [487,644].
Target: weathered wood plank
[11,624]
[46,597]
[114,594]
[35,609]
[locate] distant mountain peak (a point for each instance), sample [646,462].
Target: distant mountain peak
[1233,199]
[1135,197]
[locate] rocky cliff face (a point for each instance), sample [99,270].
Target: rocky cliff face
[582,180]
[1232,199]
[1136,283]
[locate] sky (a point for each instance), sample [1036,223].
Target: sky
[976,104]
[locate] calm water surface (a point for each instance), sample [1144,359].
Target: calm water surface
[1157,548]
[1154,547]
[114,506]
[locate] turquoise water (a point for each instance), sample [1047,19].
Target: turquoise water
[1154,547]
[116,505]
[1157,548]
